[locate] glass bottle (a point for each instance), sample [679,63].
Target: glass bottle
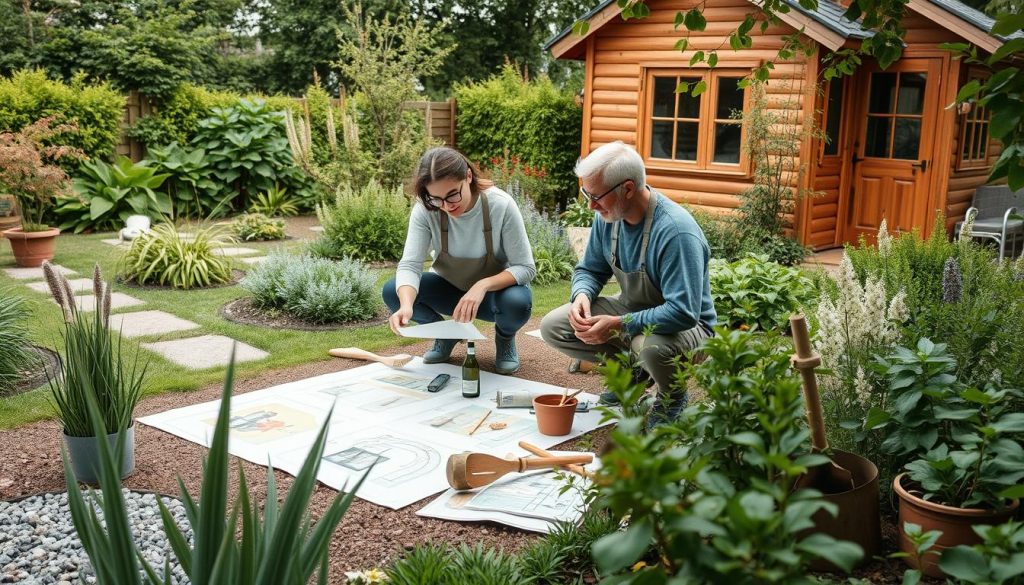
[470,373]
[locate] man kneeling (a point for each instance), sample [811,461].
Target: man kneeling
[659,257]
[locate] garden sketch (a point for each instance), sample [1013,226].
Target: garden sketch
[383,423]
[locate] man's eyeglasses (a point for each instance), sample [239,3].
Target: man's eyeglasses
[596,198]
[437,202]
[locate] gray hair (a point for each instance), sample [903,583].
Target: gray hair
[613,162]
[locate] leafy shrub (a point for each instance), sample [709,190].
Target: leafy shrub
[29,169]
[541,122]
[107,194]
[731,239]
[257,227]
[710,499]
[757,293]
[164,257]
[995,561]
[316,290]
[552,252]
[578,213]
[96,110]
[16,353]
[247,149]
[189,183]
[533,182]
[368,224]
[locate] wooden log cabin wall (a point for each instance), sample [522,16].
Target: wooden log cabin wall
[896,150]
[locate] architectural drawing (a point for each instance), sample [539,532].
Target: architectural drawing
[267,422]
[395,460]
[499,426]
[535,495]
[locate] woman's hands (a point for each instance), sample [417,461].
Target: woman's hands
[469,304]
[400,318]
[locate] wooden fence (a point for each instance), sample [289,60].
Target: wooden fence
[438,117]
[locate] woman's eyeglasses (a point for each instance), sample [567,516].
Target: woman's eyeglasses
[596,198]
[437,202]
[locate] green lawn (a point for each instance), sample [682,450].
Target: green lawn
[286,348]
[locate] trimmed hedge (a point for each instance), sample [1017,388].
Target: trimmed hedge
[536,121]
[177,119]
[97,109]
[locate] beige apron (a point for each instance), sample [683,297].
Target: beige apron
[637,290]
[465,272]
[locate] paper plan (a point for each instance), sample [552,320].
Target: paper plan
[447,329]
[382,417]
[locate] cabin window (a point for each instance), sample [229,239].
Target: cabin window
[833,116]
[973,140]
[895,115]
[695,132]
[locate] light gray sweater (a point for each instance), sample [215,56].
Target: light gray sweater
[466,239]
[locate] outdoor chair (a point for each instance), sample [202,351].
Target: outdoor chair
[996,212]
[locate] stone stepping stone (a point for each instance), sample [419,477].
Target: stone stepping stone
[253,259]
[141,323]
[116,242]
[235,251]
[118,300]
[78,285]
[317,228]
[34,273]
[205,351]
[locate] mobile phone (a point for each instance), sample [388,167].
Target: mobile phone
[438,382]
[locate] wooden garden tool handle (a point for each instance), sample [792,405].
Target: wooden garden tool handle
[577,469]
[806,360]
[354,353]
[559,461]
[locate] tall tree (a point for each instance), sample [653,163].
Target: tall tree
[16,35]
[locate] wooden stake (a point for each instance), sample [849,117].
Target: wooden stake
[566,398]
[481,421]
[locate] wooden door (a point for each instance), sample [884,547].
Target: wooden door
[895,134]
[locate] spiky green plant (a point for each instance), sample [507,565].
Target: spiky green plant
[94,363]
[165,257]
[282,548]
[16,353]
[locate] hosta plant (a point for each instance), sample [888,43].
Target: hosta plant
[316,290]
[755,292]
[257,227]
[233,542]
[167,258]
[189,183]
[108,193]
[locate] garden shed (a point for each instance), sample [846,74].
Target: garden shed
[895,148]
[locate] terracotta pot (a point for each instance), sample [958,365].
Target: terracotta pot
[954,523]
[32,248]
[554,420]
[859,517]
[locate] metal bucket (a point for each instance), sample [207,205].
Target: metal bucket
[85,455]
[858,519]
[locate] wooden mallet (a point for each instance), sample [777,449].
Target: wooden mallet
[472,470]
[829,478]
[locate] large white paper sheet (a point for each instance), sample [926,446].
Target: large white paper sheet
[384,421]
[447,329]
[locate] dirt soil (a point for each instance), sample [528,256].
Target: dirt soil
[369,535]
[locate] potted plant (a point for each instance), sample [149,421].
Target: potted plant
[967,478]
[28,170]
[93,365]
[577,218]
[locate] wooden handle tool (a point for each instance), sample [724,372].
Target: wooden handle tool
[831,478]
[395,361]
[577,469]
[472,470]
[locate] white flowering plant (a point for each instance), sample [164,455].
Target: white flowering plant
[367,577]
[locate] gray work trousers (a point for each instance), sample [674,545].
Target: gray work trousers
[657,354]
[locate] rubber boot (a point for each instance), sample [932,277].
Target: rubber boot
[441,351]
[506,360]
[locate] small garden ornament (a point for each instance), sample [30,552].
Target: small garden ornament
[135,226]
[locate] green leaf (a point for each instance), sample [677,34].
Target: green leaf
[580,28]
[699,88]
[621,549]
[694,20]
[1010,423]
[678,20]
[99,206]
[1007,24]
[969,90]
[757,506]
[681,45]
[747,439]
[1013,493]
[712,59]
[841,553]
[963,562]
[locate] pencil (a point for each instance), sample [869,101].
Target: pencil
[481,421]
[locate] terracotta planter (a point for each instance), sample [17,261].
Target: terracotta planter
[9,216]
[554,420]
[955,524]
[859,517]
[32,248]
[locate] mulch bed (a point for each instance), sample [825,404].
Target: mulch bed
[244,311]
[47,363]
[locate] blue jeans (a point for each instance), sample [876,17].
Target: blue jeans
[509,309]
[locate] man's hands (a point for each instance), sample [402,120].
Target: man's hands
[588,328]
[469,304]
[400,318]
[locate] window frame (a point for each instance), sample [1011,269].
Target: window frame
[707,120]
[826,111]
[963,164]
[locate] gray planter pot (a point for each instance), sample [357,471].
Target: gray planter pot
[85,455]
